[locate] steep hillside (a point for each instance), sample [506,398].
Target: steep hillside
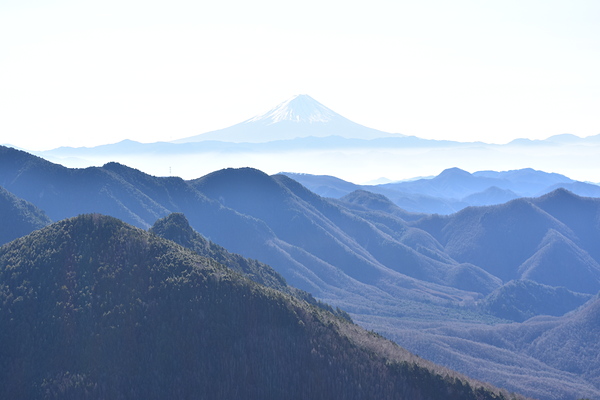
[176,227]
[93,308]
[533,239]
[19,217]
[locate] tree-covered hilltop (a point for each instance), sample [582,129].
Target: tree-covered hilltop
[92,308]
[176,227]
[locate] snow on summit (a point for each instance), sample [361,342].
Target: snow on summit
[300,108]
[298,117]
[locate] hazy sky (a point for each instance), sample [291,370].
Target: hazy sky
[83,73]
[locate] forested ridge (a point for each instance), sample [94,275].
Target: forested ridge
[92,308]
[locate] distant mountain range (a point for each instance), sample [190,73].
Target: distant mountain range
[454,189]
[443,286]
[302,135]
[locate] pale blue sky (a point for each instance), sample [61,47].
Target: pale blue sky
[86,73]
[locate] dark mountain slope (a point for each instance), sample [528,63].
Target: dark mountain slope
[93,308]
[19,217]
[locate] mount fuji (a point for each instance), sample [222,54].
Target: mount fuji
[302,135]
[298,117]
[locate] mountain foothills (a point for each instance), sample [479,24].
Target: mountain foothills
[489,291]
[93,308]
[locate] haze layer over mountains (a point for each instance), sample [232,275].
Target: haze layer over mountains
[489,291]
[302,135]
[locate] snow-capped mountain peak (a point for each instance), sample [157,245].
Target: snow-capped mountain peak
[300,108]
[298,117]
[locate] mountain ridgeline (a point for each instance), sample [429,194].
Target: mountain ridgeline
[453,189]
[446,287]
[176,227]
[93,308]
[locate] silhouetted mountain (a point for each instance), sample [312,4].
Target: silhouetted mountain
[93,308]
[18,217]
